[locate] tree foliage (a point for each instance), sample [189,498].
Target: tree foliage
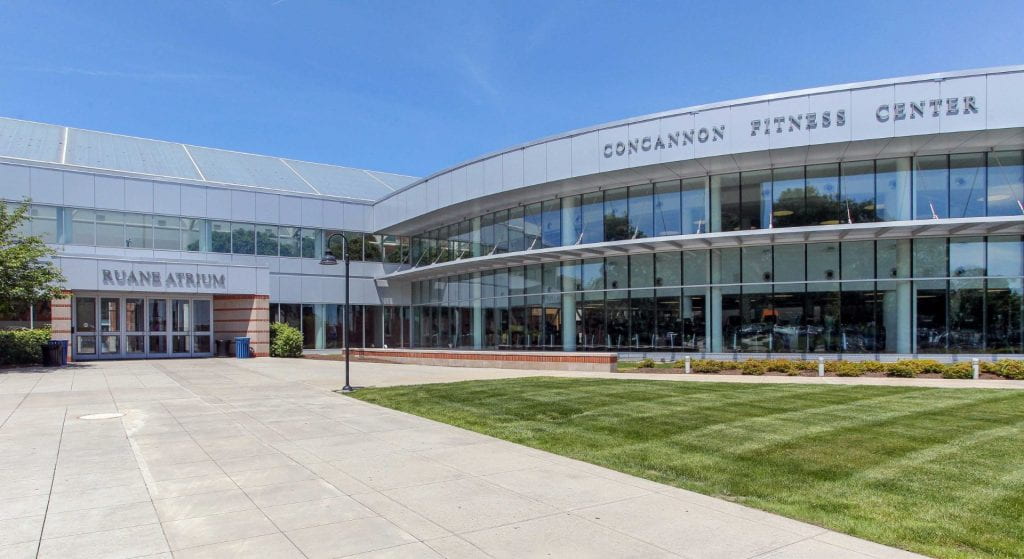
[27,275]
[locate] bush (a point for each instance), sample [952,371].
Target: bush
[23,347]
[754,367]
[1008,368]
[958,370]
[846,368]
[785,366]
[910,368]
[707,366]
[646,363]
[285,341]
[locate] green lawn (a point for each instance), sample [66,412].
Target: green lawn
[937,471]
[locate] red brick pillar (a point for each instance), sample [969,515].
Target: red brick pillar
[60,320]
[243,315]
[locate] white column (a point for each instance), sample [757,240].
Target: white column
[569,322]
[478,312]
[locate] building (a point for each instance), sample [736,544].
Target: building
[876,218]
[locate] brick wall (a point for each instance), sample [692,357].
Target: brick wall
[243,315]
[60,321]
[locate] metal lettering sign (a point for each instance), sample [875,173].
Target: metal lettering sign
[162,280]
[927,108]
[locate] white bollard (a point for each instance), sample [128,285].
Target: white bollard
[975,368]
[687,366]
[821,366]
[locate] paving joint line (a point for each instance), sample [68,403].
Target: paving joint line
[49,496]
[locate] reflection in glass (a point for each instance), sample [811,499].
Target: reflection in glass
[220,236]
[931,187]
[858,192]
[593,218]
[892,189]
[694,199]
[966,256]
[667,210]
[788,197]
[616,224]
[85,314]
[756,200]
[930,258]
[857,308]
[641,211]
[1005,256]
[1006,183]
[110,315]
[967,185]
[931,316]
[823,203]
[725,202]
[966,315]
[1003,315]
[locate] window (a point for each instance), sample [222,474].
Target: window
[516,230]
[789,261]
[312,243]
[641,270]
[266,240]
[694,206]
[593,218]
[167,232]
[822,261]
[931,187]
[967,185]
[616,270]
[641,211]
[788,196]
[1005,257]
[195,237]
[138,230]
[533,226]
[858,260]
[858,192]
[930,258]
[1006,183]
[289,240]
[372,248]
[757,264]
[892,189]
[616,223]
[220,236]
[966,257]
[695,267]
[551,224]
[755,200]
[43,223]
[822,202]
[725,202]
[667,267]
[725,266]
[109,229]
[243,238]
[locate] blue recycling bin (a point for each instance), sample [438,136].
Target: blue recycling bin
[242,348]
[63,352]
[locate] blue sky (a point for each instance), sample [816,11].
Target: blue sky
[413,87]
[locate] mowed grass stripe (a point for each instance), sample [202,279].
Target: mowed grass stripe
[936,471]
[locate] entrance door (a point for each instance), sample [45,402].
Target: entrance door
[110,326]
[135,327]
[85,327]
[181,323]
[157,327]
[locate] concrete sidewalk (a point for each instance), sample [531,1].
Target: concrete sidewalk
[226,458]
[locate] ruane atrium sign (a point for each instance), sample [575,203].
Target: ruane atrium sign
[161,280]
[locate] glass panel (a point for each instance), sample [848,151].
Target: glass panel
[180,315]
[966,315]
[593,218]
[532,226]
[757,264]
[201,316]
[895,316]
[110,315]
[822,317]
[42,315]
[788,192]
[725,202]
[591,330]
[85,345]
[822,261]
[371,248]
[967,185]
[158,344]
[641,270]
[642,318]
[858,192]
[726,265]
[220,236]
[157,316]
[1006,183]
[289,240]
[551,224]
[930,258]
[759,318]
[138,230]
[110,229]
[667,209]
[243,238]
[756,200]
[572,220]
[179,344]
[135,315]
[858,260]
[789,263]
[931,187]
[43,223]
[931,316]
[311,243]
[533,279]
[308,327]
[893,258]
[731,320]
[857,309]
[786,319]
[166,233]
[823,204]
[892,189]
[135,344]
[667,269]
[616,272]
[617,321]
[694,312]
[616,223]
[83,228]
[967,256]
[291,315]
[85,314]
[694,215]
[550,279]
[516,229]
[669,320]
[696,267]
[593,274]
[641,211]
[1003,315]
[1005,255]
[110,344]
[266,240]
[201,344]
[193,232]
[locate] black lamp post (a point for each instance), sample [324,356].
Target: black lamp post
[330,260]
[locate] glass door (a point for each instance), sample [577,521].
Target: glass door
[181,322]
[85,327]
[110,326]
[135,326]
[157,327]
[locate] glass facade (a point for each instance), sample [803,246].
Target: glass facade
[926,295]
[926,187]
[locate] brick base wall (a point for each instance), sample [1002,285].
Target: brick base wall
[539,360]
[243,315]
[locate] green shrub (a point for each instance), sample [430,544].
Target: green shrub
[646,363]
[928,366]
[904,369]
[707,366]
[846,368]
[1008,368]
[785,366]
[872,366]
[285,340]
[23,347]
[958,370]
[754,367]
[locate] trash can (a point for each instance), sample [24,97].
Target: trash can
[219,348]
[242,348]
[63,352]
[51,353]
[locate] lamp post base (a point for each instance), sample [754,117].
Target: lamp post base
[347,388]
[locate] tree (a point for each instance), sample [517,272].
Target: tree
[27,275]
